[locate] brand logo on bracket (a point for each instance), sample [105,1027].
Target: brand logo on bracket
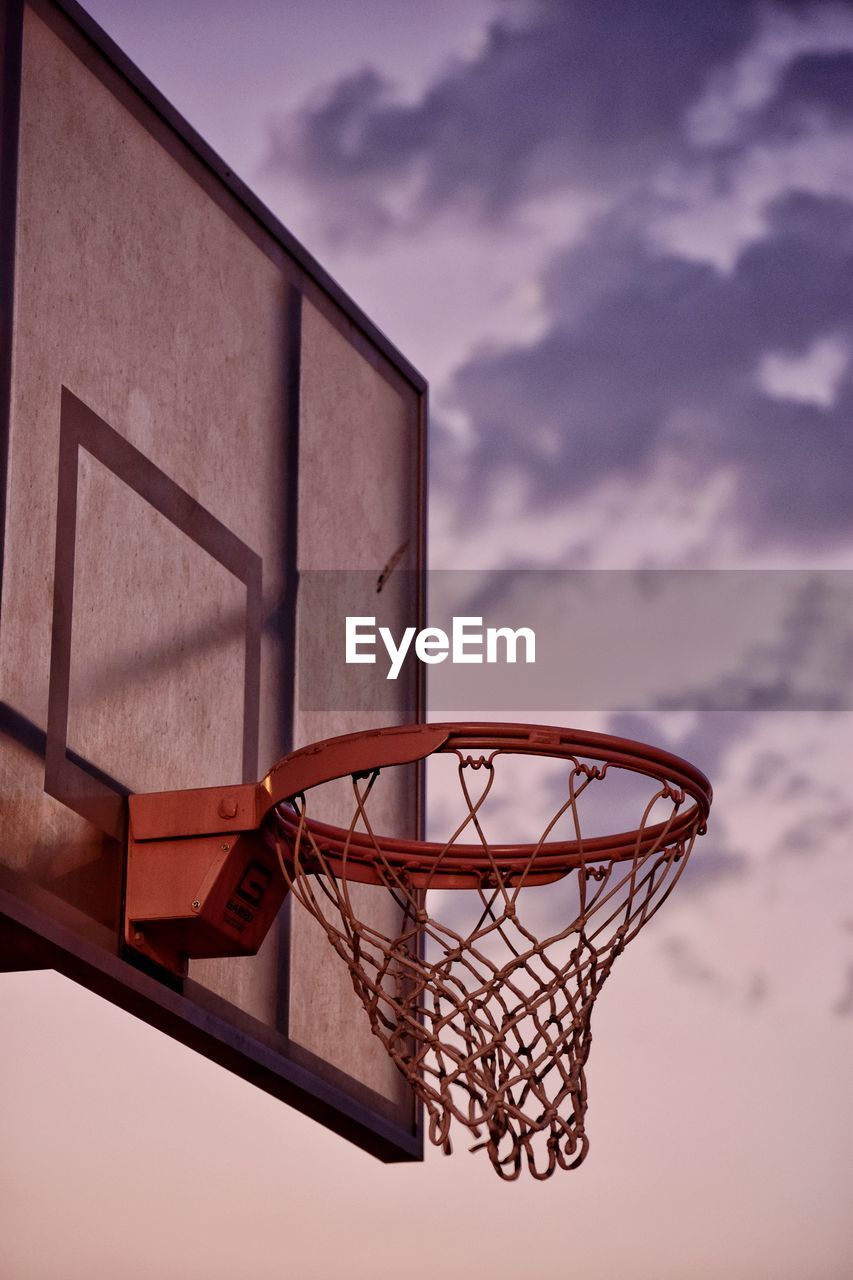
[248,895]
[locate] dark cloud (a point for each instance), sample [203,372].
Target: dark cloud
[649,352]
[689,965]
[576,91]
[813,93]
[707,744]
[711,863]
[810,835]
[714,859]
[843,1006]
[646,355]
[767,768]
[585,93]
[815,88]
[807,665]
[759,988]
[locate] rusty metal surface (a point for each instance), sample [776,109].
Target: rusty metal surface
[489,1019]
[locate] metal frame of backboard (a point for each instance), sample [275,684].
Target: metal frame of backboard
[38,930]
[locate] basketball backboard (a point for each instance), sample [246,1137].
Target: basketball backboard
[195,415]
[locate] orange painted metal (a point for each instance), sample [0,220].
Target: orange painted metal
[355,854]
[201,879]
[191,895]
[204,811]
[350,753]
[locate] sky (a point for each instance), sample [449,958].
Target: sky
[617,238]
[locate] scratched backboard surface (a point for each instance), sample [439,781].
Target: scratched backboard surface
[196,414]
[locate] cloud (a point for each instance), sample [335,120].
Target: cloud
[698,328]
[707,742]
[581,94]
[814,91]
[807,663]
[811,834]
[689,965]
[843,1007]
[651,354]
[574,92]
[813,378]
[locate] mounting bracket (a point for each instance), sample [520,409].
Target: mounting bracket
[201,880]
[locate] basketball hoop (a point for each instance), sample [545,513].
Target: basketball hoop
[490,1021]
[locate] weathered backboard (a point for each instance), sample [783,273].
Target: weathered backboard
[194,415]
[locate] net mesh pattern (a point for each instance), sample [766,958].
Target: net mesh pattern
[488,1020]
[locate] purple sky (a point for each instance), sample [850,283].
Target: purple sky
[618,240]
